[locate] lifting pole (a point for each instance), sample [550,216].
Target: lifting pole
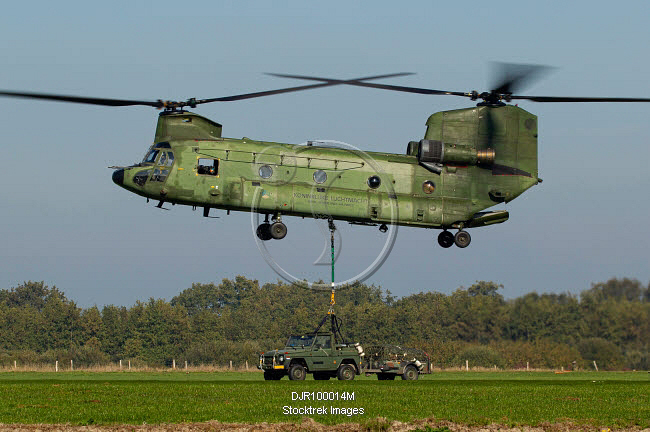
[335,322]
[332,228]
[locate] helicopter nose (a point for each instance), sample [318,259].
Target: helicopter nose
[118,177]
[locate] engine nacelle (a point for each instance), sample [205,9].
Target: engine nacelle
[432,154]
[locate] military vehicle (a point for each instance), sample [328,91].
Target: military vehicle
[317,353]
[390,361]
[469,160]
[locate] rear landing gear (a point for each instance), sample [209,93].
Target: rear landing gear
[267,231]
[462,239]
[445,239]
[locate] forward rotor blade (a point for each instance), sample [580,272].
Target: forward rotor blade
[173,104]
[359,83]
[327,83]
[578,99]
[81,99]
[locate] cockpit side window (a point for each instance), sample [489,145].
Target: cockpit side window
[162,170]
[170,159]
[208,166]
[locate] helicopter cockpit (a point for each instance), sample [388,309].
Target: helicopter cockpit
[160,159]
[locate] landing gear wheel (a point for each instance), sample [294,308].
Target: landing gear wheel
[278,230]
[264,231]
[462,239]
[410,373]
[445,239]
[322,376]
[346,372]
[297,372]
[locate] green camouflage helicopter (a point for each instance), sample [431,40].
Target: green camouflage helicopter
[468,161]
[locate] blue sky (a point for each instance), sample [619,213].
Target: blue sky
[65,222]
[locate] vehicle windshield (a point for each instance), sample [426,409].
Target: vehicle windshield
[300,341]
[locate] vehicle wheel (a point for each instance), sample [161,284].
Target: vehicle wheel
[278,230]
[410,373]
[272,376]
[445,239]
[264,231]
[462,239]
[346,372]
[296,372]
[321,376]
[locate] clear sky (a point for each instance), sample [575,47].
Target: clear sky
[65,222]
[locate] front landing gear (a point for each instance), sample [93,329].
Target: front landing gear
[462,239]
[267,231]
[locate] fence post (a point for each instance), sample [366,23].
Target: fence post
[246,364]
[15,365]
[71,367]
[56,366]
[173,364]
[595,365]
[467,365]
[527,366]
[129,364]
[185,364]
[120,364]
[230,364]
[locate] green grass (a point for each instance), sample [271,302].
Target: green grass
[475,398]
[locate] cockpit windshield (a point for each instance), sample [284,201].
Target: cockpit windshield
[300,341]
[151,157]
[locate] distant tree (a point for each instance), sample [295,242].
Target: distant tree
[606,354]
[616,289]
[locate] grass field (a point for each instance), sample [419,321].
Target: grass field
[605,399]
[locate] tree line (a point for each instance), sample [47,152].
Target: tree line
[237,319]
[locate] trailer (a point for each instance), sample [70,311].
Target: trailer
[390,361]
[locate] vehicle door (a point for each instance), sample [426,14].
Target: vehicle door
[321,353]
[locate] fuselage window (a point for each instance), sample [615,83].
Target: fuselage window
[265,171]
[374,182]
[428,187]
[208,166]
[320,176]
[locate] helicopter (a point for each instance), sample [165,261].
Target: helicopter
[469,160]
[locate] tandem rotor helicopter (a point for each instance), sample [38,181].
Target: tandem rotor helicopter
[468,161]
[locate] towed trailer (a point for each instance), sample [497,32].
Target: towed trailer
[390,361]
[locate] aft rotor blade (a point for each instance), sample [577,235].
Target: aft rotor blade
[327,83]
[82,99]
[359,83]
[578,99]
[510,77]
